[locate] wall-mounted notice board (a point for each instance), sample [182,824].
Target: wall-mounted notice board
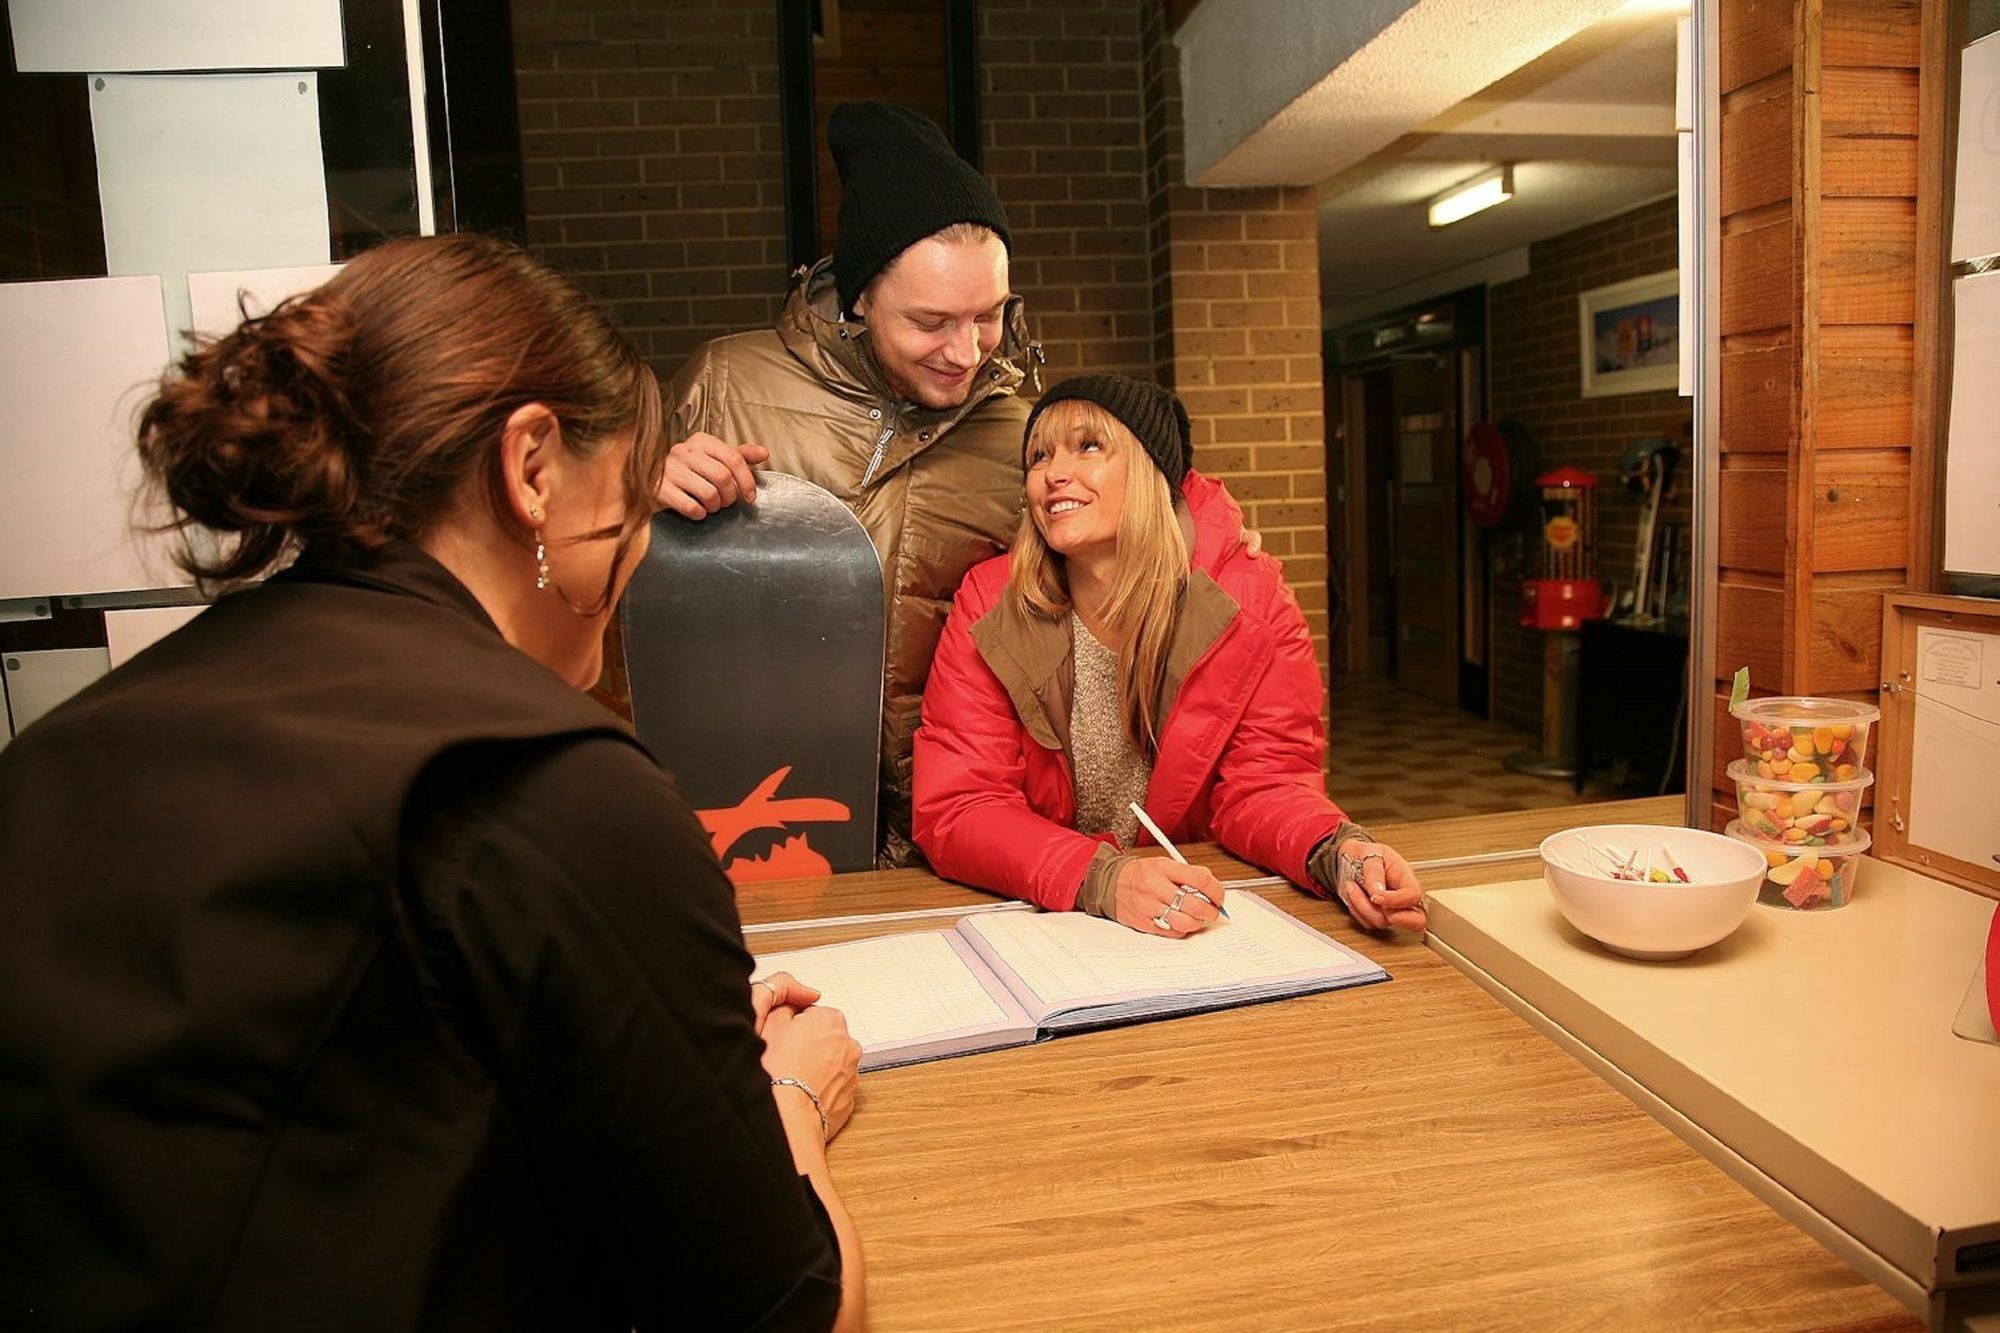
[1937,761]
[78,358]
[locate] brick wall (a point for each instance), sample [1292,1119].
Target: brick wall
[1236,333]
[1532,332]
[650,148]
[1060,89]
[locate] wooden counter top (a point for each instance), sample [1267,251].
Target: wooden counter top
[1403,1156]
[1811,1051]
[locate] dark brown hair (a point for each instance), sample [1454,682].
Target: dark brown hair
[361,411]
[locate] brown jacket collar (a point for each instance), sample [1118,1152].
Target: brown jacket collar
[1030,654]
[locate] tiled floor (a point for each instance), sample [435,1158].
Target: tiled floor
[1397,756]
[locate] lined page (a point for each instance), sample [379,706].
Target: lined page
[894,989]
[1068,959]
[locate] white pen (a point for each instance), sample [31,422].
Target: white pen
[1167,844]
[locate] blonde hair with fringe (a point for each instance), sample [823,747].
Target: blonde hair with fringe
[1152,565]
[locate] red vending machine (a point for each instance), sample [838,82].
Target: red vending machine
[1565,595]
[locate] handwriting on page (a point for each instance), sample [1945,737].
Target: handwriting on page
[893,988]
[1069,958]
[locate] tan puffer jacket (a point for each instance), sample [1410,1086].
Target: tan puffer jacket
[938,492]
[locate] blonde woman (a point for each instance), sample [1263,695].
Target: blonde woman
[1131,648]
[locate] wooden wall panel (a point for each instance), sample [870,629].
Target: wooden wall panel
[1752,507]
[1870,32]
[1860,167]
[1860,512]
[1755,40]
[1759,171]
[1871,102]
[1750,631]
[1757,278]
[1759,408]
[1864,394]
[1845,648]
[1822,373]
[1868,251]
[1869,133]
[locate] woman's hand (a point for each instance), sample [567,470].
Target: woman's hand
[780,990]
[812,1046]
[1379,888]
[1163,897]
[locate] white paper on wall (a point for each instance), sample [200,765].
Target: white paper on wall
[1975,224]
[129,633]
[213,297]
[82,36]
[1955,744]
[200,173]
[38,682]
[77,360]
[1972,451]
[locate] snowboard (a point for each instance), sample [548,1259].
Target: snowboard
[753,650]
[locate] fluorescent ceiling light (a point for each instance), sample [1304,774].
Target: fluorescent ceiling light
[1481,192]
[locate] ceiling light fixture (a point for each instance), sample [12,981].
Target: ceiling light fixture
[1481,192]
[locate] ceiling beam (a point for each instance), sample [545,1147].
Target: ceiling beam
[1288,92]
[1619,120]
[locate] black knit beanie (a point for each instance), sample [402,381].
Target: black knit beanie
[900,182]
[1153,415]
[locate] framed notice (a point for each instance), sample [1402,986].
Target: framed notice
[1630,335]
[1940,742]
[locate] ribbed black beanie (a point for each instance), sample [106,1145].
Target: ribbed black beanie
[900,182]
[1153,415]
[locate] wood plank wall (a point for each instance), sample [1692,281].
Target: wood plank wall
[1822,179]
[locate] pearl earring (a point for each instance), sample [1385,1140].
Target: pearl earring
[541,551]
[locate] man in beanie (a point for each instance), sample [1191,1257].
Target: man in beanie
[889,380]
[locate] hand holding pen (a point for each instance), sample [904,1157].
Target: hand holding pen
[1169,897]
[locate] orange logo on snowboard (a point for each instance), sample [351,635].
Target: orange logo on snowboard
[762,809]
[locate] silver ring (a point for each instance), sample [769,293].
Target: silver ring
[767,986]
[1180,896]
[1161,920]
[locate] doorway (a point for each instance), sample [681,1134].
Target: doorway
[1406,566]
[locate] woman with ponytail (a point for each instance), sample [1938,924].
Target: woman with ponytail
[1131,649]
[358,970]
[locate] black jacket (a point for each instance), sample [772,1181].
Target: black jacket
[357,973]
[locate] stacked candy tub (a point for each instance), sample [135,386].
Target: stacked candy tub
[1800,786]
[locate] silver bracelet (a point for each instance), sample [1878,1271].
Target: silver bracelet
[789,1082]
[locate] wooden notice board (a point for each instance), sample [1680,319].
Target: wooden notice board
[1937,761]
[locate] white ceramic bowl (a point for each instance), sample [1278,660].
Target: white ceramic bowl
[1648,920]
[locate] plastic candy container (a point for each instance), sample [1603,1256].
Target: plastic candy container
[1799,814]
[1807,878]
[1805,739]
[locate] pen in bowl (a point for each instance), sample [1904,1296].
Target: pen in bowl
[1167,844]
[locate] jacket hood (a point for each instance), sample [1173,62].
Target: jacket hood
[811,328]
[1216,520]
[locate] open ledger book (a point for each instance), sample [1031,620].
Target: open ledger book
[1010,978]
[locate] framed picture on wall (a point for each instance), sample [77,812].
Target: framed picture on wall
[1630,334]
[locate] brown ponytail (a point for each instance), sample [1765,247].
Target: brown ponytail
[363,410]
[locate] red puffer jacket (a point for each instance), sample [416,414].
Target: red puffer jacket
[1240,749]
